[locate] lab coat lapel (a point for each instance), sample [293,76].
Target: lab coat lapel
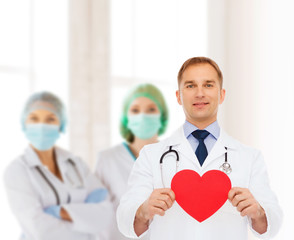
[31,157]
[181,144]
[61,159]
[219,148]
[68,171]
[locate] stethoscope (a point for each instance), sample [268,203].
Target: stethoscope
[73,164]
[225,167]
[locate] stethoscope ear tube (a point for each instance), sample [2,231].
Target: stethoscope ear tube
[167,152]
[50,185]
[162,158]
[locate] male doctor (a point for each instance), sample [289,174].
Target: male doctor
[149,204]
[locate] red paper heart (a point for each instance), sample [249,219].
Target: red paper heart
[201,197]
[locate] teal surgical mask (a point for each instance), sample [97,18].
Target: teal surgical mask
[144,126]
[42,136]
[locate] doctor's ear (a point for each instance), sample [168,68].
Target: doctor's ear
[178,94]
[222,95]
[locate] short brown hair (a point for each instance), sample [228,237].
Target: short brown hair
[200,60]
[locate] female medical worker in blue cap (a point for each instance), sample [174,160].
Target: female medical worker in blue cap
[144,118]
[52,192]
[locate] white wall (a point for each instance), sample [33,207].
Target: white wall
[256,51]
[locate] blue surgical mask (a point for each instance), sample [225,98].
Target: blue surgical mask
[144,126]
[42,136]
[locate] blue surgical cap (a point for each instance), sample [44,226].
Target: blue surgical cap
[47,101]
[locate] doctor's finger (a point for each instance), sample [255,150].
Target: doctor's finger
[235,191]
[244,204]
[160,204]
[158,211]
[248,211]
[238,198]
[159,191]
[166,198]
[170,193]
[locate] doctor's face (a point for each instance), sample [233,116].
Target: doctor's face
[200,94]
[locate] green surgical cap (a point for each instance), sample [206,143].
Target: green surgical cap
[154,94]
[47,101]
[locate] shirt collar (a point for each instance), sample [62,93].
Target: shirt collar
[213,129]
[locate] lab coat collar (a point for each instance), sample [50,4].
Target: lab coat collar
[178,137]
[31,157]
[179,140]
[33,160]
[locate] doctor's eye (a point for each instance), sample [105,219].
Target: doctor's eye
[152,109]
[51,120]
[189,86]
[134,110]
[33,118]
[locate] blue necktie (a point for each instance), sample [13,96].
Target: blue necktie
[201,151]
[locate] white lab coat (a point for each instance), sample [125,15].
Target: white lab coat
[113,168]
[29,193]
[248,171]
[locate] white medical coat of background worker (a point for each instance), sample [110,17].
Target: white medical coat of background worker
[51,192]
[144,118]
[29,193]
[149,204]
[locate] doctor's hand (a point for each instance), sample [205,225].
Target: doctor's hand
[96,196]
[247,205]
[159,201]
[64,215]
[58,212]
[54,211]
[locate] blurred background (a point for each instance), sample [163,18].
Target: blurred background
[91,52]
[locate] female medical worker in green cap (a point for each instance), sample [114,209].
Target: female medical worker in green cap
[52,192]
[144,118]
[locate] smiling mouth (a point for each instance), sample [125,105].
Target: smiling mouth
[201,104]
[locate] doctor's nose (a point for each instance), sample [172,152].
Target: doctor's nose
[199,92]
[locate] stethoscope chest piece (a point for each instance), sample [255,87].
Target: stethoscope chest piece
[226,167]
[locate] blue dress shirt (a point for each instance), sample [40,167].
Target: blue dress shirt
[210,140]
